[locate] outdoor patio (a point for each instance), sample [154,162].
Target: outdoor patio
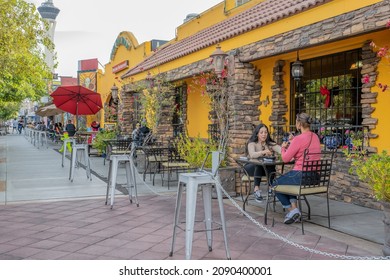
[45,216]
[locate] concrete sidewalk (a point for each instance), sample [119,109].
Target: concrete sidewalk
[45,216]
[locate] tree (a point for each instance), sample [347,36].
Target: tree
[24,73]
[8,109]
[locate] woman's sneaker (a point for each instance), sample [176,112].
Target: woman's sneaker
[258,196]
[292,216]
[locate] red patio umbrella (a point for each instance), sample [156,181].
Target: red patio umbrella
[77,100]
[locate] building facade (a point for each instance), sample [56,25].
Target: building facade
[262,40]
[126,53]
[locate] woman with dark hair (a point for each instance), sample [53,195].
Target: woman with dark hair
[260,144]
[57,129]
[294,150]
[60,127]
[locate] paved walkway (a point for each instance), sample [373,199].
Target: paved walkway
[45,216]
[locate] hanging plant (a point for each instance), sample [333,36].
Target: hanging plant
[216,89]
[110,113]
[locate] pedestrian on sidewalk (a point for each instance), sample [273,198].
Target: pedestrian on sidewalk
[14,126]
[20,126]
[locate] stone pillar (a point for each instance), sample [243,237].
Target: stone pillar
[183,106]
[370,64]
[126,112]
[164,129]
[243,105]
[279,105]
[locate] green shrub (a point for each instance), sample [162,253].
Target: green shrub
[98,141]
[374,170]
[194,150]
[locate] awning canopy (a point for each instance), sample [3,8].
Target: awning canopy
[48,110]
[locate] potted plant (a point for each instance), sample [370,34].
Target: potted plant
[99,140]
[194,151]
[330,139]
[374,169]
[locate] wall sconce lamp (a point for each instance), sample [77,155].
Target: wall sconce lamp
[114,93]
[218,57]
[297,69]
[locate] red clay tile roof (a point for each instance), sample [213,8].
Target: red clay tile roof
[262,14]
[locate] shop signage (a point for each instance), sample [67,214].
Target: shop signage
[119,67]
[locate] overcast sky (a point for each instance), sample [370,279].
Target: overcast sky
[88,28]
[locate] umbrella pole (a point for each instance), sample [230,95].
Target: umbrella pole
[77,116]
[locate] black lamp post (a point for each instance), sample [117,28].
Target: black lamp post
[218,57]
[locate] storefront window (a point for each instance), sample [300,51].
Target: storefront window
[330,92]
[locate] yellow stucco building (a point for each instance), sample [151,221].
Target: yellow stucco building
[262,39]
[125,54]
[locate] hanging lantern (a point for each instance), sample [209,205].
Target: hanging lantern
[114,93]
[218,57]
[297,69]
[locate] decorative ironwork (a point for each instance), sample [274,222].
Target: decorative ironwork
[331,136]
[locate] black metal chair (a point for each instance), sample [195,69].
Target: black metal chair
[246,183]
[248,180]
[154,157]
[315,179]
[117,147]
[172,166]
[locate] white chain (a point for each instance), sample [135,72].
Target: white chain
[264,228]
[173,195]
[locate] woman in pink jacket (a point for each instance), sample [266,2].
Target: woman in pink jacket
[294,150]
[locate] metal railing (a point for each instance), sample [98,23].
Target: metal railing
[332,136]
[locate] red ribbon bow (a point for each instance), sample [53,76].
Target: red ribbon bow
[325,91]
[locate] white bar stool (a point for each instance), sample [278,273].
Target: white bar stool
[72,141]
[36,137]
[130,176]
[192,182]
[31,135]
[83,149]
[42,136]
